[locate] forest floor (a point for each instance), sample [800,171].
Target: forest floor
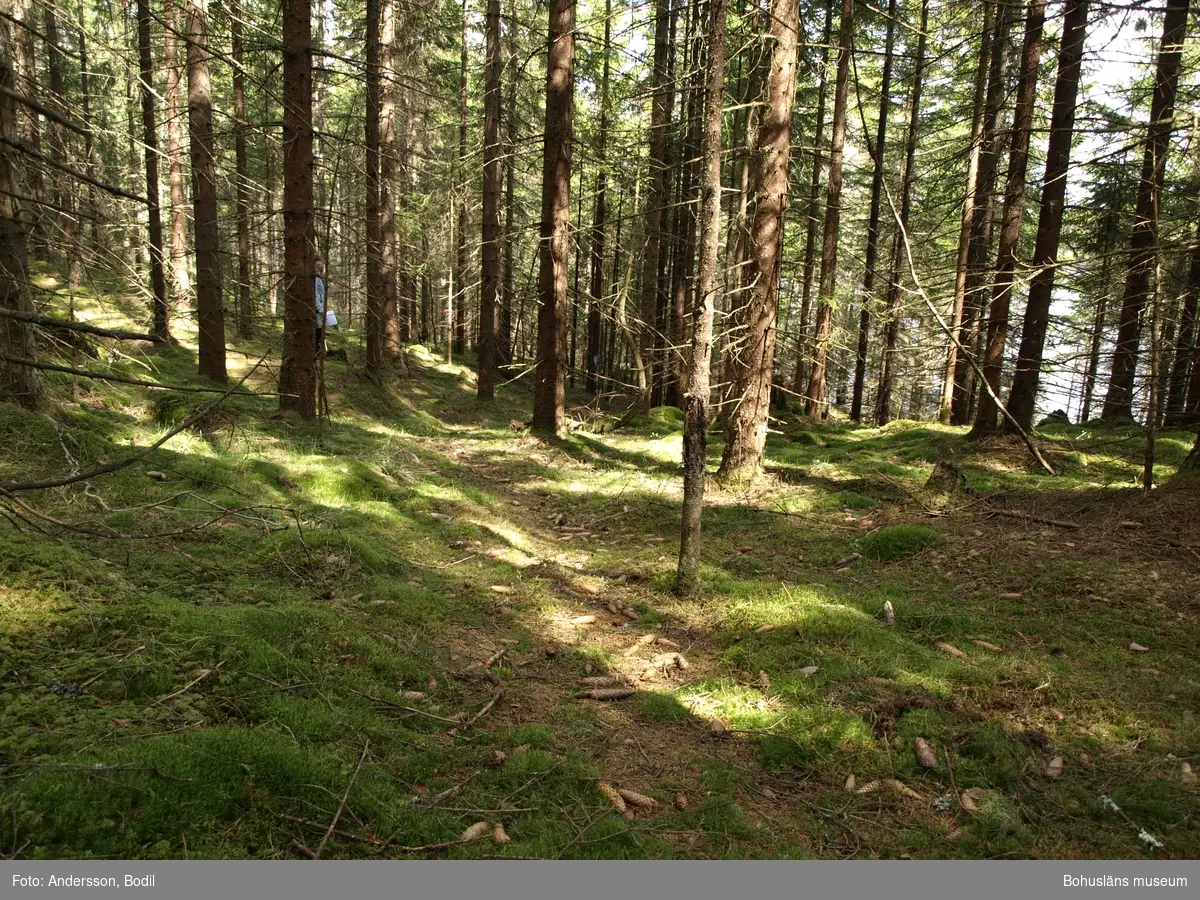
[390,623]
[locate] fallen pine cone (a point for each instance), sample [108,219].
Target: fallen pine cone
[599,681]
[925,754]
[498,757]
[986,646]
[583,620]
[475,832]
[951,649]
[635,799]
[630,614]
[717,728]
[901,788]
[666,642]
[681,801]
[850,782]
[607,694]
[499,835]
[611,795]
[613,608]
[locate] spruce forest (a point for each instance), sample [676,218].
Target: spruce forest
[599,429]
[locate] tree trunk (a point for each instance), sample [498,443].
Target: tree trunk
[388,158]
[979,234]
[1023,396]
[554,247]
[504,341]
[656,198]
[92,213]
[883,401]
[812,213]
[970,200]
[297,372]
[21,383]
[599,220]
[209,309]
[814,401]
[460,265]
[1185,348]
[489,294]
[174,37]
[245,305]
[695,428]
[161,311]
[868,283]
[69,222]
[1010,228]
[746,437]
[1118,403]
[376,301]
[25,80]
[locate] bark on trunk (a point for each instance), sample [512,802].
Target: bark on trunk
[161,310]
[695,428]
[375,297]
[746,437]
[554,247]
[489,294]
[21,383]
[1118,403]
[245,305]
[174,37]
[883,401]
[868,283]
[460,264]
[812,214]
[1185,349]
[595,338]
[814,402]
[297,373]
[390,331]
[1010,228]
[209,308]
[1023,396]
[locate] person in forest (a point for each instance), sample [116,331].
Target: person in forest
[319,299]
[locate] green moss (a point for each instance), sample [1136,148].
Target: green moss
[899,541]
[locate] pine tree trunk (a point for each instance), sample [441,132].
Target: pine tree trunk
[1010,228]
[656,199]
[174,38]
[209,308]
[746,437]
[554,248]
[460,265]
[298,371]
[376,301]
[25,79]
[489,294]
[388,157]
[813,215]
[21,383]
[504,349]
[887,374]
[868,283]
[979,235]
[596,292]
[1022,398]
[695,428]
[161,310]
[970,200]
[65,187]
[92,213]
[245,305]
[814,402]
[1118,403]
[1185,348]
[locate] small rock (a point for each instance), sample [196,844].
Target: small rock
[157,476]
[717,728]
[1138,648]
[889,613]
[810,670]
[1055,769]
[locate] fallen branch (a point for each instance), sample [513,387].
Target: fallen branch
[409,709]
[342,805]
[1018,514]
[122,379]
[14,487]
[348,835]
[487,708]
[67,325]
[195,681]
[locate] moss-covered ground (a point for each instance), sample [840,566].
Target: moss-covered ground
[286,622]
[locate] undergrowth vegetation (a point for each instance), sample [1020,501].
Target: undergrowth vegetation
[263,618]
